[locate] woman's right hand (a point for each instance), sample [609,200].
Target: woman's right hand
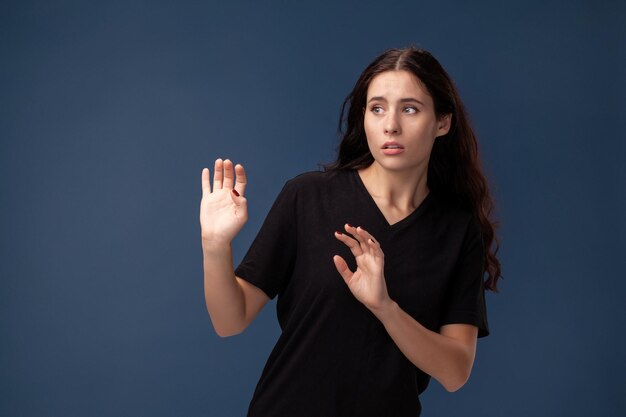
[223,210]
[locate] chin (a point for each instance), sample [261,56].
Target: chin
[398,165]
[395,166]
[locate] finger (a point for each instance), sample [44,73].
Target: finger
[206,184]
[238,200]
[241,183]
[217,174]
[369,239]
[364,234]
[355,247]
[375,247]
[229,174]
[354,231]
[342,268]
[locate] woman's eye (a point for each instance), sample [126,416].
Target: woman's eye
[410,109]
[377,109]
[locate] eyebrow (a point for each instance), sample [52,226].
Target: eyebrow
[402,100]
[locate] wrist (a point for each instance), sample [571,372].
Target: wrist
[385,309]
[212,245]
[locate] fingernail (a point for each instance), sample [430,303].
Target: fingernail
[235,192]
[337,232]
[349,225]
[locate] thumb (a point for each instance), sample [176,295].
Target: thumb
[342,268]
[239,200]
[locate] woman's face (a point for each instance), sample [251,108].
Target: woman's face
[400,122]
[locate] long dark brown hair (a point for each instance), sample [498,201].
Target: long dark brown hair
[454,168]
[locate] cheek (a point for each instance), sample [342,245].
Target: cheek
[424,130]
[369,128]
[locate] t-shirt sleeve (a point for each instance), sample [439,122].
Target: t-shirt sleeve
[268,264]
[465,302]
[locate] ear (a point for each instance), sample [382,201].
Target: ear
[443,124]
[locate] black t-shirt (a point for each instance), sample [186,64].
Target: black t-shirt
[334,358]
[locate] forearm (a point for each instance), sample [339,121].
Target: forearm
[224,297]
[444,358]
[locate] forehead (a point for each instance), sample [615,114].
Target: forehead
[397,84]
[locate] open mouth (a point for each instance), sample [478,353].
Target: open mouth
[392,145]
[392,148]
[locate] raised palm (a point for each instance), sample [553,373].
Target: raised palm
[223,209]
[367,282]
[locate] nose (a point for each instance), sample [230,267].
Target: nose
[392,125]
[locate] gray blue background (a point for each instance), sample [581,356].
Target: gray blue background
[110,110]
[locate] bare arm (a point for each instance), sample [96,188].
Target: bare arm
[232,302]
[447,356]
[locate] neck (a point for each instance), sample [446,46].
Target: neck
[404,190]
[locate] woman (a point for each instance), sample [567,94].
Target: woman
[401,216]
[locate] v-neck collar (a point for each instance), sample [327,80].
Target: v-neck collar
[374,206]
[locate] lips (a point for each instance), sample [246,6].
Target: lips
[392,145]
[392,148]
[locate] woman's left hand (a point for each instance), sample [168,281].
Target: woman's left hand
[367,283]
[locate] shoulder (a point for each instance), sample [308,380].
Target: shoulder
[450,208]
[315,180]
[458,218]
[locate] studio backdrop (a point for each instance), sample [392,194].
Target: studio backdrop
[110,110]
